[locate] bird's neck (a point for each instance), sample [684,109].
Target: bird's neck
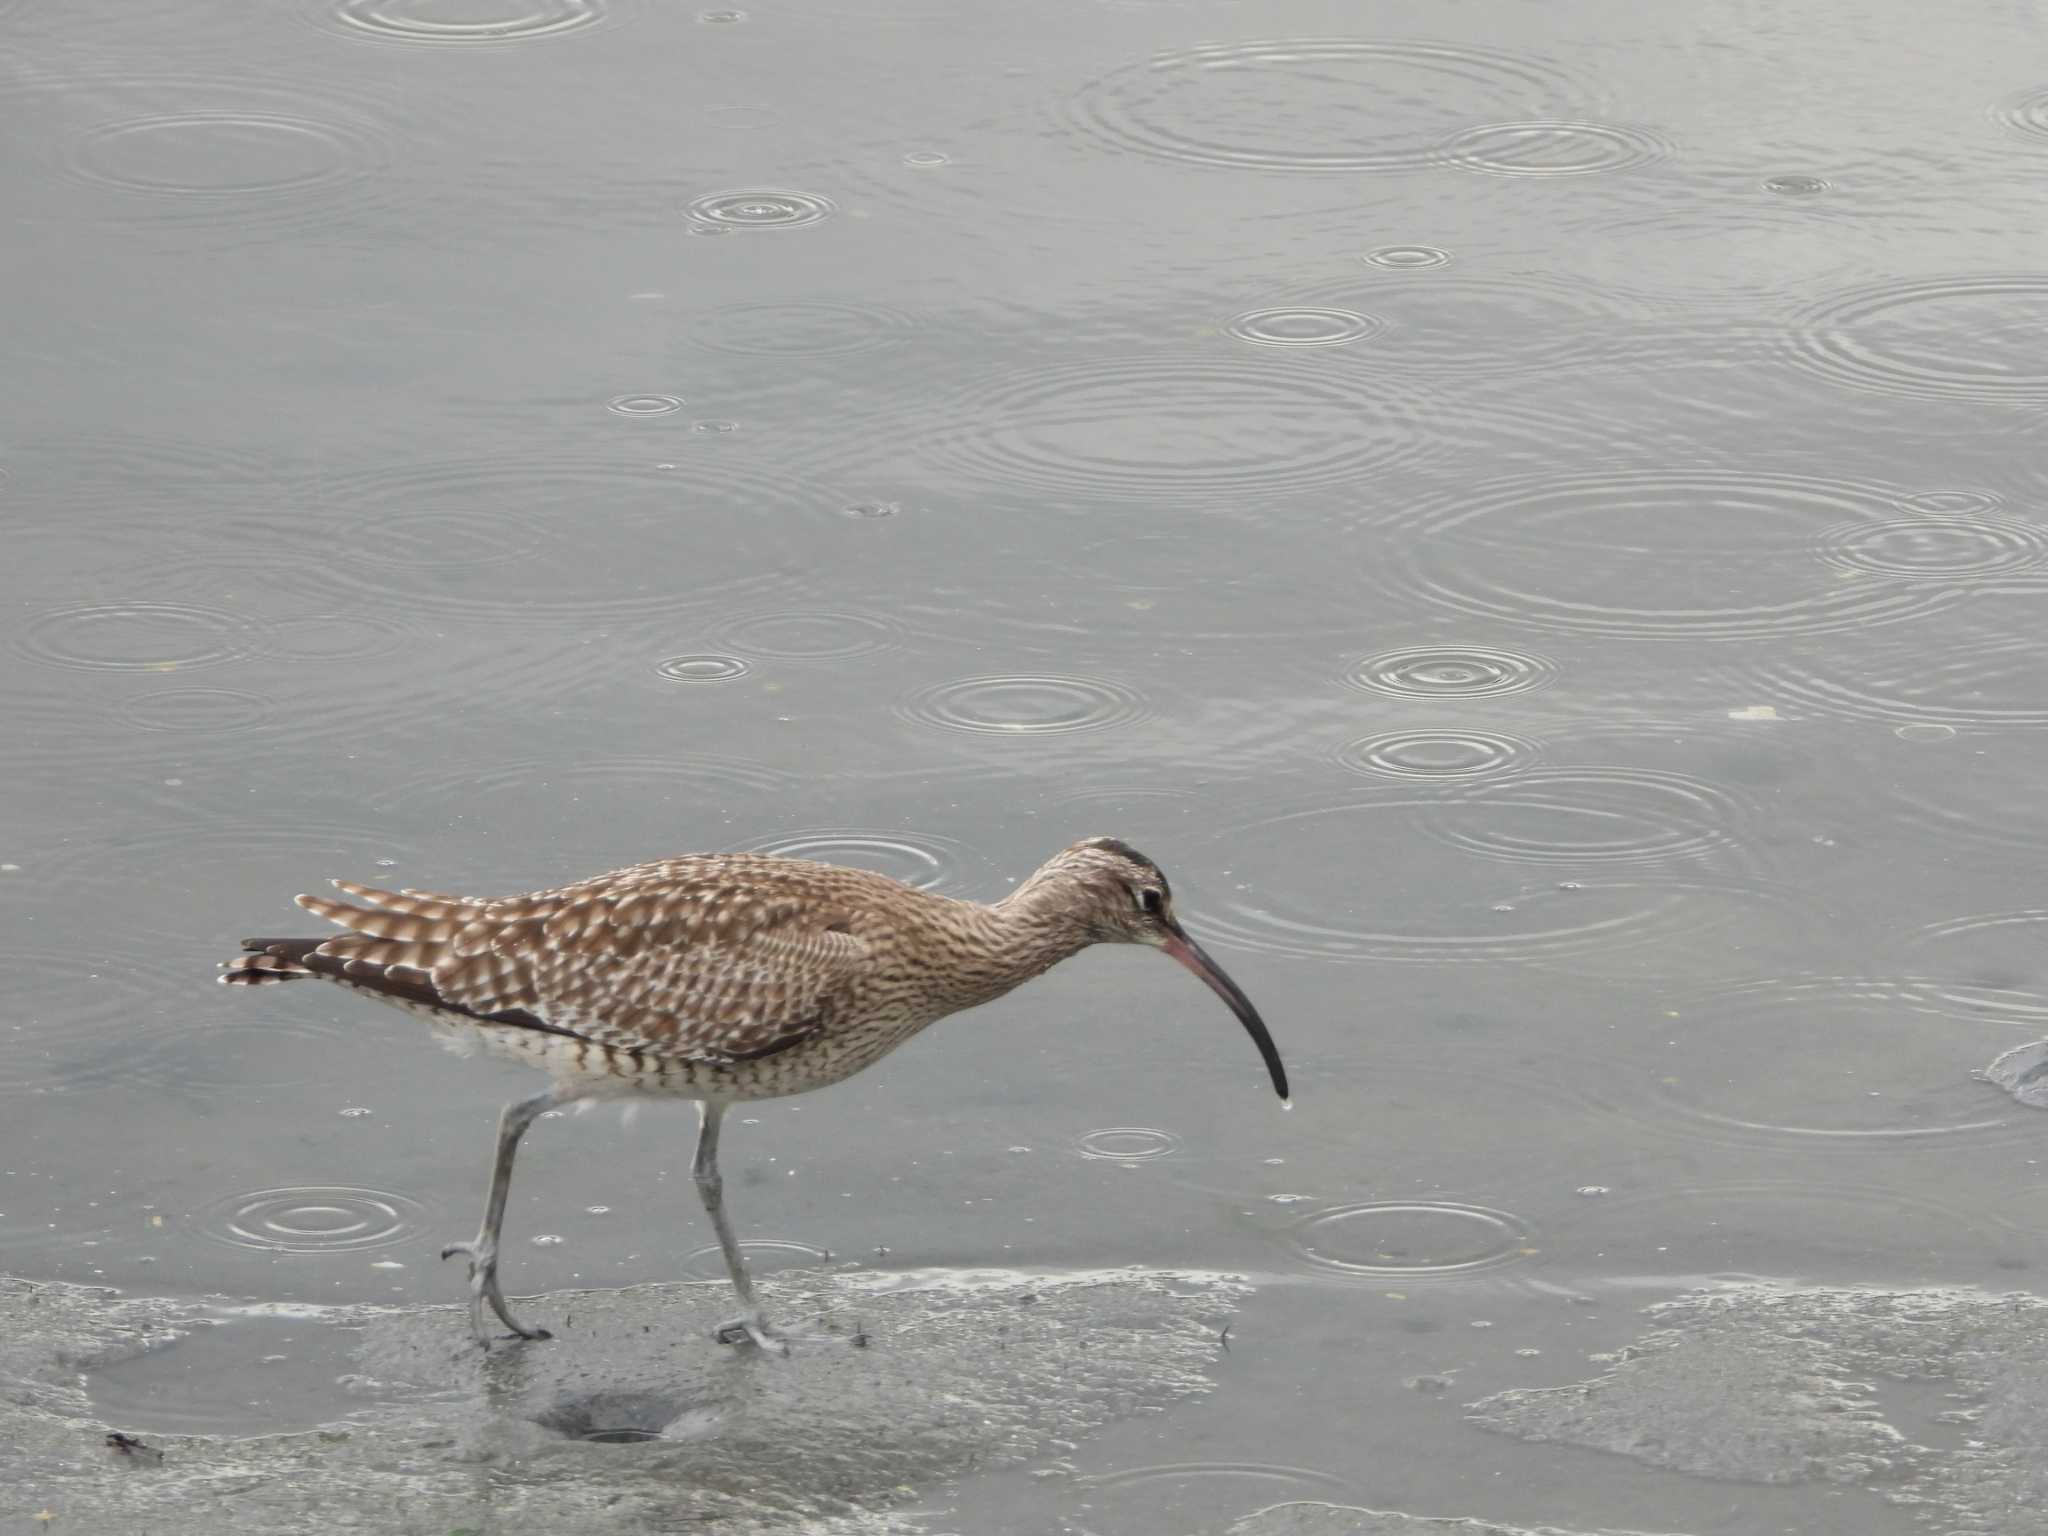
[1024,935]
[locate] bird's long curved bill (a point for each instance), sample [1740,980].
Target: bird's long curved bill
[1196,959]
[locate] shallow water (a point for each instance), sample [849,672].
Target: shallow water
[1534,516]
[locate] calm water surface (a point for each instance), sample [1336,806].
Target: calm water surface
[1534,515]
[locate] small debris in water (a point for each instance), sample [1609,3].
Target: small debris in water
[133,1449]
[1754,712]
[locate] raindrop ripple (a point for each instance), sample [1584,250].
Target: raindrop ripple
[768,209]
[313,1219]
[1995,684]
[1590,815]
[808,636]
[1437,755]
[1937,548]
[1552,148]
[1852,1065]
[917,859]
[1449,672]
[138,637]
[1155,429]
[1302,326]
[1025,706]
[513,21]
[1965,337]
[1311,104]
[802,328]
[1127,1144]
[1381,1240]
[1734,551]
[702,669]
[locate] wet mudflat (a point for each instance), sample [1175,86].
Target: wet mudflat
[1534,517]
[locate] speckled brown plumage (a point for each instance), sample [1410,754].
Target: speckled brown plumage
[717,977]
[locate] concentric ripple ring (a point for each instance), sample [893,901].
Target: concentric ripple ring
[1026,706]
[1410,1239]
[769,209]
[1433,672]
[314,1219]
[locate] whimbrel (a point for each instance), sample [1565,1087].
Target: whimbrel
[718,978]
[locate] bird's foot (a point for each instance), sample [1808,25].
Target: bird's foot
[755,1329]
[483,1287]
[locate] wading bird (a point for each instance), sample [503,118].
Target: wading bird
[718,978]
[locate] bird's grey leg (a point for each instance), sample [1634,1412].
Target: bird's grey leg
[711,1190]
[483,1253]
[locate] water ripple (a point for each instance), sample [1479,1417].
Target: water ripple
[765,1256]
[1438,672]
[1312,104]
[1269,886]
[1406,258]
[802,328]
[590,540]
[434,25]
[225,153]
[1302,326]
[1557,552]
[1985,966]
[1552,148]
[138,637]
[205,711]
[1127,1144]
[702,669]
[1967,337]
[644,405]
[1155,429]
[918,859]
[1026,706]
[230,154]
[1936,547]
[806,636]
[1821,1063]
[1590,815]
[1993,683]
[2026,114]
[766,209]
[1440,325]
[1954,503]
[1438,756]
[1381,1240]
[314,1218]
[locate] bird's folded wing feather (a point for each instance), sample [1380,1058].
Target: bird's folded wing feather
[646,960]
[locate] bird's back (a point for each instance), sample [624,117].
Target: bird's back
[720,957]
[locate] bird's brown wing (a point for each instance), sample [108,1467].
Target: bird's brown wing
[717,958]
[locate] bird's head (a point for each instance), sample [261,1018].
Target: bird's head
[1121,897]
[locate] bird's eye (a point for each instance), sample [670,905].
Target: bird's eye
[1150,901]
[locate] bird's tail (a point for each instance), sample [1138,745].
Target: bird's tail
[267,961]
